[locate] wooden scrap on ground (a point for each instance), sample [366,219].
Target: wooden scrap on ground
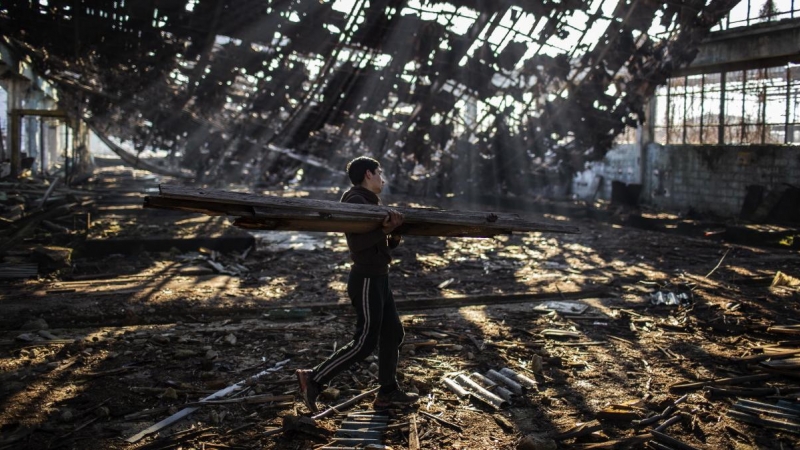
[784,417]
[27,225]
[785,364]
[671,441]
[792,427]
[413,435]
[13,271]
[769,354]
[664,414]
[443,422]
[403,304]
[669,422]
[785,329]
[253,399]
[344,405]
[750,392]
[681,387]
[580,430]
[187,411]
[620,412]
[308,424]
[782,279]
[630,442]
[281,213]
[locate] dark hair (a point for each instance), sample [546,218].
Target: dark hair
[357,168]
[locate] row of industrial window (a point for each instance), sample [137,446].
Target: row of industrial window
[759,106]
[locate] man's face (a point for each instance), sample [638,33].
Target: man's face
[374,180]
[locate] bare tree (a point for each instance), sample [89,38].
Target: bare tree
[768,11]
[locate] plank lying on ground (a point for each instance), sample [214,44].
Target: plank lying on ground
[281,213]
[792,427]
[780,354]
[412,304]
[18,270]
[753,392]
[189,410]
[785,329]
[719,382]
[27,225]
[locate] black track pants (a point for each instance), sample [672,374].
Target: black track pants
[378,324]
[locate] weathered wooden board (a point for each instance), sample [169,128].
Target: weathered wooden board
[281,213]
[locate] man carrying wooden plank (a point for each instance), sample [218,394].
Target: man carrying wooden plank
[378,323]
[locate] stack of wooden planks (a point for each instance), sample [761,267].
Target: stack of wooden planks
[294,214]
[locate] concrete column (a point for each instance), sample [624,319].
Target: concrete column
[50,138]
[4,154]
[33,100]
[84,162]
[15,88]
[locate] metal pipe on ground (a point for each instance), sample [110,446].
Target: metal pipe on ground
[502,392]
[504,380]
[480,392]
[519,378]
[455,387]
[486,382]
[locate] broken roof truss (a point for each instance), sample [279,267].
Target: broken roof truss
[480,90]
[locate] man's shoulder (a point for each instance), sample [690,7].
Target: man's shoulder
[355,196]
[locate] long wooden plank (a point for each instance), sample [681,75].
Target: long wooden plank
[329,210]
[359,226]
[260,218]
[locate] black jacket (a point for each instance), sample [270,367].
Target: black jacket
[371,251]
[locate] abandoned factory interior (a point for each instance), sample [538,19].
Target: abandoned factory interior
[399,224]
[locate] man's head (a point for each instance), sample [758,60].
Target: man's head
[365,171]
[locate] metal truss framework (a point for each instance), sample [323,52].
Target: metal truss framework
[487,93]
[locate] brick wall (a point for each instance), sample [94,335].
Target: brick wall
[710,179]
[714,178]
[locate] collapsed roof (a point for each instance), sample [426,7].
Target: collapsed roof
[487,92]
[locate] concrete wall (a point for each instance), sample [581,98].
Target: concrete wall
[714,178]
[622,163]
[710,179]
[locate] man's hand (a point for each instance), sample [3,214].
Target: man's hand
[392,221]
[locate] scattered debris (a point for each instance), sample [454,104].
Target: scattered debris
[187,411]
[480,393]
[563,307]
[782,279]
[783,416]
[536,441]
[670,298]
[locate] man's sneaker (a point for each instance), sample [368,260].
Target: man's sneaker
[396,398]
[309,389]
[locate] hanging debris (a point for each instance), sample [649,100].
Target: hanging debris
[457,97]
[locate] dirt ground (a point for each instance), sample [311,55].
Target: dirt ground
[96,354]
